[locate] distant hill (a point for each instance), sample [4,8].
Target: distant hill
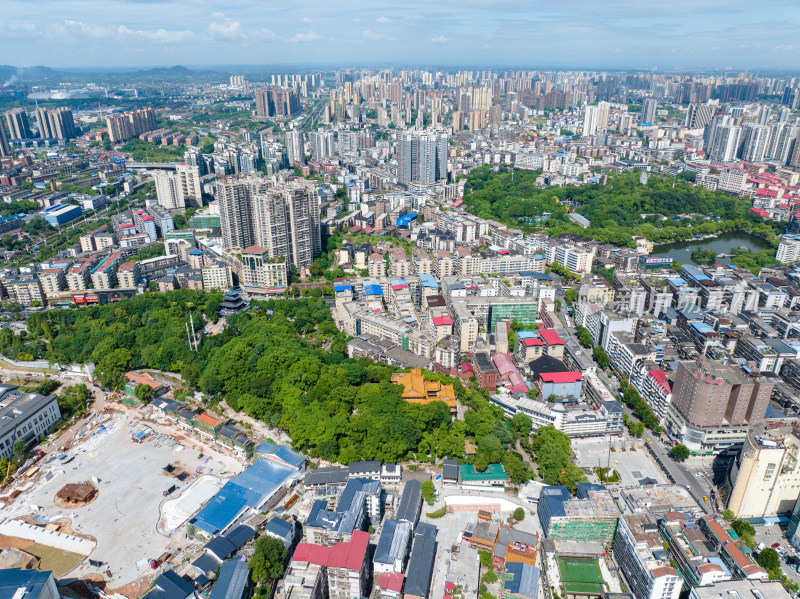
[9,74]
[176,71]
[38,73]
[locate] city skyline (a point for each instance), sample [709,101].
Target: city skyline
[577,33]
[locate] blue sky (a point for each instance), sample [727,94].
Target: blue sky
[726,34]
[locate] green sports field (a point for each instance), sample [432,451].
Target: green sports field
[580,576]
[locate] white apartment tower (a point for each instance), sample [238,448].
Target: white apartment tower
[168,190]
[423,157]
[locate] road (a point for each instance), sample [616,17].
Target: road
[699,486]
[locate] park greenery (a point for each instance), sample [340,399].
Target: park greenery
[146,252]
[284,362]
[143,151]
[664,209]
[704,256]
[553,455]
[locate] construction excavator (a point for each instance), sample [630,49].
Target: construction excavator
[7,479]
[114,396]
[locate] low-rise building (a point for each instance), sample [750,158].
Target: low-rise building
[25,417]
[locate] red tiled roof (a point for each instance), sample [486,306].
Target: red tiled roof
[530,341]
[390,581]
[349,555]
[442,320]
[561,377]
[661,379]
[550,337]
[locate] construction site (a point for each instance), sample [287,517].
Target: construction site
[111,494]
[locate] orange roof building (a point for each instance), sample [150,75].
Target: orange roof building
[418,390]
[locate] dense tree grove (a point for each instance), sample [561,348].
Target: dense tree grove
[284,362]
[553,453]
[615,209]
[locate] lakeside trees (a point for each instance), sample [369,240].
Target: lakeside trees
[615,209]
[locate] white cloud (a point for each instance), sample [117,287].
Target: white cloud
[371,35]
[415,18]
[306,37]
[306,20]
[440,39]
[383,20]
[120,32]
[224,29]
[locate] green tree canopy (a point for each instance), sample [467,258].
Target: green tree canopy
[268,561]
[681,452]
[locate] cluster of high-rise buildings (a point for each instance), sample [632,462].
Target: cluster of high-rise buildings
[277,102]
[283,219]
[130,124]
[52,123]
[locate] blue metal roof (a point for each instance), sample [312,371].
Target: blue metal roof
[247,489]
[702,327]
[524,579]
[535,275]
[281,452]
[406,219]
[338,288]
[373,290]
[428,281]
[232,582]
[393,542]
[32,581]
[279,527]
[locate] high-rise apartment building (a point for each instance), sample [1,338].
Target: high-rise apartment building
[130,124]
[287,223]
[191,185]
[725,144]
[5,147]
[234,197]
[698,116]
[713,403]
[590,121]
[119,128]
[18,124]
[764,480]
[602,115]
[781,138]
[168,190]
[321,143]
[295,147]
[277,101]
[423,157]
[754,142]
[283,220]
[794,160]
[55,123]
[649,106]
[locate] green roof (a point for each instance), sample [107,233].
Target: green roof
[493,472]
